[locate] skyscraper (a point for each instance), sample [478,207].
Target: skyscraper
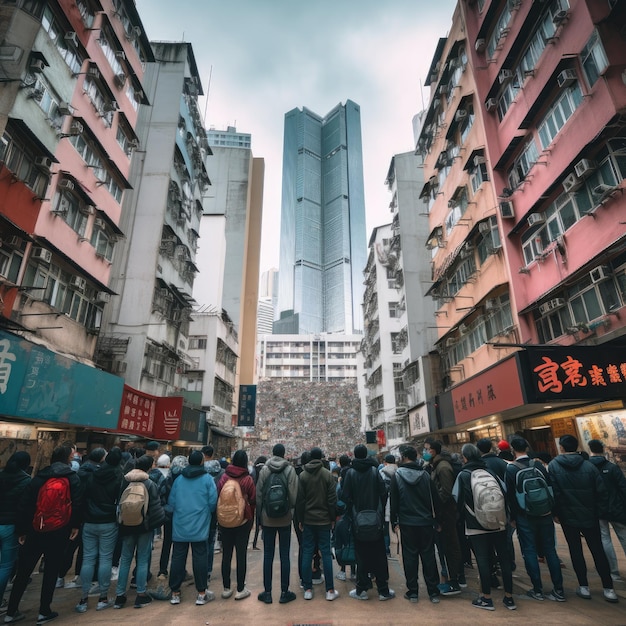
[323,247]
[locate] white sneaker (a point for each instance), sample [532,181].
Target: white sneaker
[60,583]
[104,604]
[115,571]
[340,576]
[359,596]
[583,592]
[74,583]
[617,578]
[94,590]
[175,599]
[318,581]
[308,594]
[610,595]
[244,593]
[205,597]
[227,593]
[332,595]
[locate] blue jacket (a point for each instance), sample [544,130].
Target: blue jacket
[192,499]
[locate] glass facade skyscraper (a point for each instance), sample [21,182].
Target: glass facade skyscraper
[323,246]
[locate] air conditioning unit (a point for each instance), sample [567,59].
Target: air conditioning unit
[138,95]
[463,328]
[71,37]
[14,241]
[65,183]
[93,72]
[76,128]
[571,182]
[480,44]
[99,223]
[36,66]
[64,108]
[479,159]
[484,227]
[107,107]
[103,296]
[63,206]
[461,114]
[43,162]
[559,17]
[88,209]
[121,55]
[449,342]
[78,282]
[599,273]
[491,304]
[602,189]
[566,78]
[132,33]
[133,144]
[491,104]
[584,166]
[507,211]
[550,305]
[41,254]
[505,75]
[120,79]
[535,218]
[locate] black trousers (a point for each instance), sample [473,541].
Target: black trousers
[418,542]
[484,546]
[237,539]
[594,542]
[371,558]
[52,546]
[166,547]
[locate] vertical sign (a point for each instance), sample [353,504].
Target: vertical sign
[247,405]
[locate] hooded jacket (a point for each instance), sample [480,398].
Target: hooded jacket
[615,483]
[443,477]
[12,487]
[246,483]
[155,516]
[413,495]
[579,492]
[277,465]
[214,469]
[495,464]
[192,500]
[102,491]
[317,495]
[28,502]
[364,489]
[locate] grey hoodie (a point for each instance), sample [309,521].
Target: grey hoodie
[274,465]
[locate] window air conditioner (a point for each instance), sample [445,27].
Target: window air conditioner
[484,227]
[584,166]
[491,104]
[571,182]
[64,108]
[599,273]
[36,66]
[507,210]
[41,254]
[566,78]
[78,282]
[461,114]
[43,162]
[103,296]
[66,184]
[71,37]
[120,79]
[536,218]
[76,128]
[480,44]
[491,304]
[479,159]
[505,75]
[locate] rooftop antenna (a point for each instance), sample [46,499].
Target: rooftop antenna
[208,88]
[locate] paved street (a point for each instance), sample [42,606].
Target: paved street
[345,610]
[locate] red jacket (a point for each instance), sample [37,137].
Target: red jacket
[246,483]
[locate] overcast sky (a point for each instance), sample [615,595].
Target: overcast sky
[266,57]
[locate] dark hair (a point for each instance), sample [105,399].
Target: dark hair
[61,454]
[260,460]
[240,458]
[208,450]
[144,463]
[279,450]
[68,443]
[470,452]
[316,454]
[436,445]
[305,457]
[569,443]
[97,455]
[546,457]
[485,445]
[17,461]
[360,451]
[390,458]
[344,460]
[409,452]
[196,458]
[596,446]
[519,444]
[114,457]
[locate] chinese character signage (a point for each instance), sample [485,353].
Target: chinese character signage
[38,384]
[193,426]
[247,405]
[418,421]
[381,438]
[573,373]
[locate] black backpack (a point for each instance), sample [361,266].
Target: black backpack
[276,500]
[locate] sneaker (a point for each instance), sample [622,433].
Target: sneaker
[120,601]
[411,596]
[72,584]
[103,603]
[387,596]
[352,578]
[509,603]
[462,581]
[287,596]
[535,595]
[142,600]
[175,599]
[60,583]
[115,572]
[449,589]
[265,596]
[341,576]
[610,595]
[308,594]
[227,593]
[205,597]
[16,617]
[241,595]
[435,599]
[359,596]
[556,595]
[331,595]
[44,619]
[318,581]
[616,578]
[3,607]
[483,603]
[94,590]
[584,593]
[81,607]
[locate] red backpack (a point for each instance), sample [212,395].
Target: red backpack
[54,505]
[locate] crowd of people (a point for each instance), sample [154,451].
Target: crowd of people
[447,510]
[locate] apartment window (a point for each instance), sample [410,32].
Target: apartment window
[132,95]
[558,114]
[103,240]
[103,104]
[461,275]
[396,344]
[10,263]
[124,139]
[394,309]
[112,55]
[43,94]
[507,95]
[523,164]
[466,124]
[86,13]
[489,239]
[73,211]
[593,59]
[478,175]
[19,155]
[62,41]
[500,30]
[197,343]
[459,204]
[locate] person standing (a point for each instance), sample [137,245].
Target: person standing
[581,500]
[258,466]
[276,495]
[236,538]
[212,467]
[414,507]
[315,505]
[137,533]
[192,500]
[387,471]
[364,490]
[615,484]
[533,529]
[48,517]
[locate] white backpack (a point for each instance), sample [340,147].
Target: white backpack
[489,505]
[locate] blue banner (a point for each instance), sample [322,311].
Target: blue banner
[247,405]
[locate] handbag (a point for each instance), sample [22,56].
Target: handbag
[368,523]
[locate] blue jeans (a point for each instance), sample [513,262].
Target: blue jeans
[269,547]
[143,543]
[8,554]
[98,544]
[320,535]
[539,530]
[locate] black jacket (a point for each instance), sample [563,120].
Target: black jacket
[102,491]
[12,487]
[510,479]
[363,487]
[155,515]
[414,497]
[615,483]
[579,492]
[28,502]
[495,464]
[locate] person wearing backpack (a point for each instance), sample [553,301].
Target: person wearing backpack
[139,513]
[481,502]
[235,515]
[530,499]
[276,494]
[48,516]
[259,463]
